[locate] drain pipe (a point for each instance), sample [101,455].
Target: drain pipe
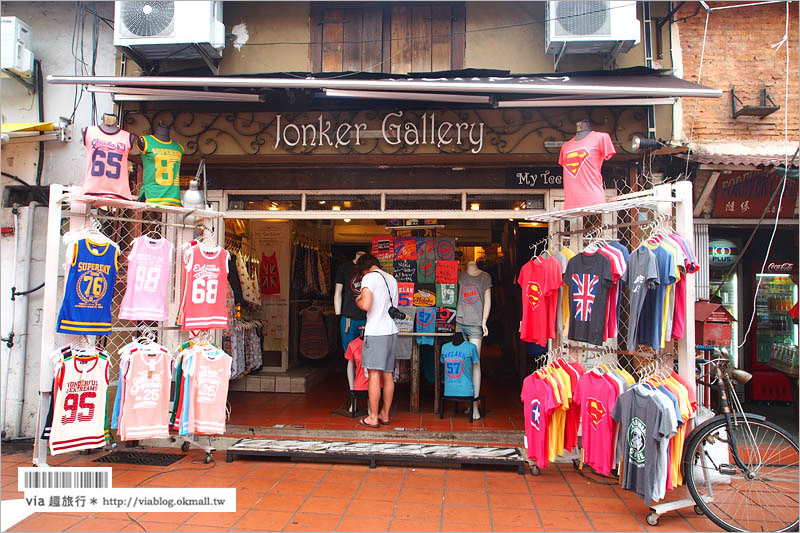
[9,339]
[17,356]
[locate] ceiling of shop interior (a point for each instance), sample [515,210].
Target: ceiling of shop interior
[362,231]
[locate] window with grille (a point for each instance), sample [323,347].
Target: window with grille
[392,38]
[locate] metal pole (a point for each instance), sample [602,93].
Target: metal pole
[49,315]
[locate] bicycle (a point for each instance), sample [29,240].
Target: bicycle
[741,470]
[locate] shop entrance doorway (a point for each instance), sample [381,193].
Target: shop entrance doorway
[301,386]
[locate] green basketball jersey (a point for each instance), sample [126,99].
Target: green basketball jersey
[162,165]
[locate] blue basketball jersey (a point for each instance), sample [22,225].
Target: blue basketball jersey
[86,308]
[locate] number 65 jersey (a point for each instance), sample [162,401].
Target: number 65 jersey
[205,286]
[89,289]
[149,268]
[107,163]
[80,404]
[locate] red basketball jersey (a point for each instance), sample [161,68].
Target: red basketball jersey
[204,289]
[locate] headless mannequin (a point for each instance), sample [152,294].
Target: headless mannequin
[583,128]
[161,133]
[458,339]
[337,307]
[337,292]
[473,270]
[108,126]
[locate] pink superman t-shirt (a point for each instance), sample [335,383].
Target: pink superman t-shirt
[582,162]
[538,403]
[597,398]
[539,280]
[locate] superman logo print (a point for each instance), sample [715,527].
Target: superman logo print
[584,291]
[596,411]
[573,160]
[534,294]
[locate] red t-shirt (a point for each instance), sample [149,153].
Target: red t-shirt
[538,403]
[597,398]
[538,278]
[353,353]
[582,161]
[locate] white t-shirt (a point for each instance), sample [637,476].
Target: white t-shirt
[378,320]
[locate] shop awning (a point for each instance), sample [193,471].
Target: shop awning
[594,88]
[20,127]
[737,160]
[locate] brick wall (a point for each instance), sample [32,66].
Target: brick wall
[738,54]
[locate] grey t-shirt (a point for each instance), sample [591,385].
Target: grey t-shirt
[405,344]
[641,275]
[588,278]
[471,292]
[644,424]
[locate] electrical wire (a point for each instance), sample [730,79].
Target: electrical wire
[696,100]
[783,182]
[169,471]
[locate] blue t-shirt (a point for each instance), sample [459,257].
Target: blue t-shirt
[649,330]
[458,361]
[426,323]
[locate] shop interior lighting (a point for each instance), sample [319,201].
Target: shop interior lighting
[475,206]
[541,102]
[336,208]
[397,95]
[348,204]
[346,220]
[321,202]
[145,94]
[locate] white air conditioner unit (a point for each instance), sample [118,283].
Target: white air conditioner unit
[169,30]
[15,48]
[576,27]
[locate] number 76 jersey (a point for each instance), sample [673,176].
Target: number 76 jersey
[205,286]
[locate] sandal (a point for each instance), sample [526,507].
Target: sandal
[384,422]
[363,422]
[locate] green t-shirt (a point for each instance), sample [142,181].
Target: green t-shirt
[162,166]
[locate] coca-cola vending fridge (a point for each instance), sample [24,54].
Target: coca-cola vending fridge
[773,333]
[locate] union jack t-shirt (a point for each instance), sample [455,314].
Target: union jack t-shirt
[587,278]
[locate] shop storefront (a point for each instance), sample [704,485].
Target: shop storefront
[753,273]
[296,193]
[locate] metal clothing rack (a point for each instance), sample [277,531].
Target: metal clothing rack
[133,218]
[668,203]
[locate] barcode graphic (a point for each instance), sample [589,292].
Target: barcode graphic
[64,478]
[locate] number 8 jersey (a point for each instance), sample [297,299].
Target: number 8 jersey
[161,176]
[107,163]
[204,289]
[89,289]
[149,267]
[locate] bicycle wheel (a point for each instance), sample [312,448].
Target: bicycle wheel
[766,498]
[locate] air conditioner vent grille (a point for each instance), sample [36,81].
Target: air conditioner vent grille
[582,18]
[149,18]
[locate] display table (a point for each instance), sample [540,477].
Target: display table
[415,368]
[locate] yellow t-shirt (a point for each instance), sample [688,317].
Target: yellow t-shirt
[569,254]
[552,431]
[669,294]
[561,421]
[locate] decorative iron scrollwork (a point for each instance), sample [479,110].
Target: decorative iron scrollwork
[504,131]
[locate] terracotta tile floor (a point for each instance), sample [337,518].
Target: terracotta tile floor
[284,496]
[315,410]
